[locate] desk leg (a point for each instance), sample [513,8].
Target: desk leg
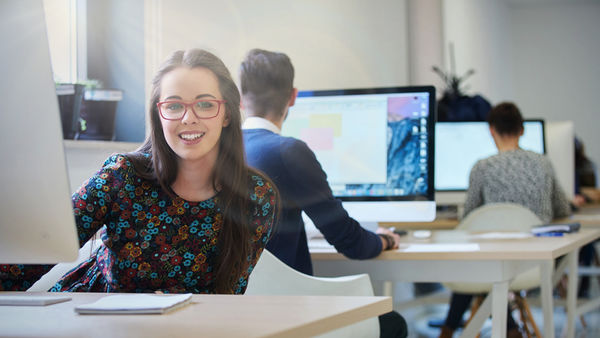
[388,288]
[546,294]
[499,306]
[572,292]
[476,323]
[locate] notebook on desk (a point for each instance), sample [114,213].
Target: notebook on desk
[564,228]
[135,304]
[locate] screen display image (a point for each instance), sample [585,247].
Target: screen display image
[374,144]
[459,145]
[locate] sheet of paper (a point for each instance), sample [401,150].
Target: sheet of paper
[443,247]
[502,235]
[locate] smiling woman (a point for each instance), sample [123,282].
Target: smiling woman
[183,213]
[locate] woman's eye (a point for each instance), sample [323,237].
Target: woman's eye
[204,104]
[174,106]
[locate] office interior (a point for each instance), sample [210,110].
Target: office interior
[539,54]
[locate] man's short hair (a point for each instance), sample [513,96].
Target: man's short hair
[267,82]
[506,119]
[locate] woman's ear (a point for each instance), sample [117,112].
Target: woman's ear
[226,121]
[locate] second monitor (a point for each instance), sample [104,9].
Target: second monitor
[459,145]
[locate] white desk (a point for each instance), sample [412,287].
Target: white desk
[207,316]
[496,261]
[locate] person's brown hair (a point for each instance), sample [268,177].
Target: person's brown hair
[231,174]
[506,119]
[266,82]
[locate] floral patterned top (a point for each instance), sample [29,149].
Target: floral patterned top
[151,241]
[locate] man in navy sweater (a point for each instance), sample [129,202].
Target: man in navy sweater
[266,80]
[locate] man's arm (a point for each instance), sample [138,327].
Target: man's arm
[313,195]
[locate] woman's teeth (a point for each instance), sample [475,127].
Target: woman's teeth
[191,137]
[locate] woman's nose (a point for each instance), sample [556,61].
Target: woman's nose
[189,117]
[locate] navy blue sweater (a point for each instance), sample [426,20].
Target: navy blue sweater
[303,186]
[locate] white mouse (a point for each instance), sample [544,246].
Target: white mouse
[421,234]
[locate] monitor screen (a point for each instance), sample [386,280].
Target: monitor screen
[459,145]
[375,145]
[36,213]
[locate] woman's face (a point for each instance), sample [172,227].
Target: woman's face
[193,138]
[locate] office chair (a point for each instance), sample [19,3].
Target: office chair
[51,277]
[503,217]
[273,277]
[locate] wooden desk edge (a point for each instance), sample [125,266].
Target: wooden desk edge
[325,325]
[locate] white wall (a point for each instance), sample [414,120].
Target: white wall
[480,33]
[59,22]
[540,54]
[425,42]
[556,51]
[332,44]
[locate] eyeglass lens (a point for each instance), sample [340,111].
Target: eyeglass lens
[203,109]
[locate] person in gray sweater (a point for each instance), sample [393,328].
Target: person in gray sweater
[513,175]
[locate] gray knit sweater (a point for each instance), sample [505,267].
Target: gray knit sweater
[517,176]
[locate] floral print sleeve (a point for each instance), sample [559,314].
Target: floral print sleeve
[262,214]
[97,199]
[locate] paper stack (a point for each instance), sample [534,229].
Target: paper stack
[135,304]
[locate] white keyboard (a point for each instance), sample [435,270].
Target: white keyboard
[319,243]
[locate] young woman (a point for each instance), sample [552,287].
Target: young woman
[183,213]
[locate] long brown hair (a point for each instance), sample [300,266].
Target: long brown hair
[230,175]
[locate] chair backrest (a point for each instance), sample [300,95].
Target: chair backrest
[500,217]
[48,280]
[273,277]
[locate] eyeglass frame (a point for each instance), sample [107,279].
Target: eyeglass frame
[191,106]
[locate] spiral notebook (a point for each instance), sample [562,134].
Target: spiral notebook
[135,304]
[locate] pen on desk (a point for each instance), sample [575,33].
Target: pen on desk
[549,234]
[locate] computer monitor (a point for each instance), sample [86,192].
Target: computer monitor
[376,147]
[36,213]
[459,145]
[561,152]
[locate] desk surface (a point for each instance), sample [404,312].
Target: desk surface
[530,248]
[206,316]
[495,261]
[588,215]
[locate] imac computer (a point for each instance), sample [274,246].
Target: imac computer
[376,147]
[459,145]
[37,225]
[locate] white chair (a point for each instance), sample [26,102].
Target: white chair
[273,277]
[503,217]
[51,277]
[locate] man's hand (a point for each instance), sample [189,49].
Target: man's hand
[386,231]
